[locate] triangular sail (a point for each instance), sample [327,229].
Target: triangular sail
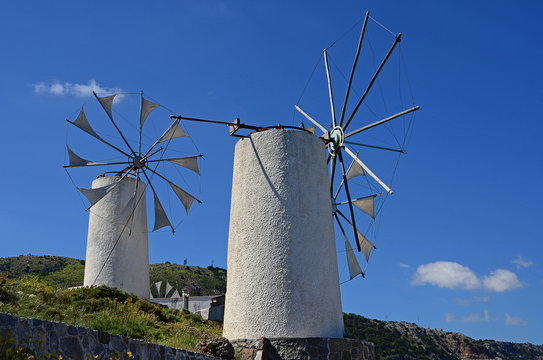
[186,198]
[95,195]
[352,263]
[107,102]
[76,160]
[146,108]
[365,245]
[168,288]
[173,132]
[175,295]
[355,170]
[82,123]
[189,162]
[366,205]
[157,285]
[161,219]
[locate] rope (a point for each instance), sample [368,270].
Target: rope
[383,26]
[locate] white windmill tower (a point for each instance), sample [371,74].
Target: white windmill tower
[117,242]
[282,266]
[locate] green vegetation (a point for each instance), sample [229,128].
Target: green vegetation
[390,343]
[199,281]
[67,272]
[36,286]
[105,309]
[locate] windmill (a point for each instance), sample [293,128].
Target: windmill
[339,140]
[282,267]
[117,243]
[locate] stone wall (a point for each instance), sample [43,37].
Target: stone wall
[304,348]
[76,342]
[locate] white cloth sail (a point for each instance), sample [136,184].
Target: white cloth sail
[354,170]
[173,132]
[107,102]
[190,162]
[161,219]
[186,198]
[82,123]
[175,295]
[365,245]
[145,110]
[168,288]
[95,195]
[366,205]
[157,285]
[352,263]
[76,160]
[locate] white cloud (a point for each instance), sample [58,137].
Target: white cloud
[75,89]
[446,274]
[483,298]
[501,280]
[449,318]
[477,317]
[521,263]
[404,265]
[514,320]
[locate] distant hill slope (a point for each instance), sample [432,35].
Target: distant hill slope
[67,272]
[393,340]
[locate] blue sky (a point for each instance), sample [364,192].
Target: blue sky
[458,242]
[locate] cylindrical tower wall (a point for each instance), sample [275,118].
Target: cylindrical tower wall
[117,246]
[282,266]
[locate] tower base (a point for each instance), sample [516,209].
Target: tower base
[304,348]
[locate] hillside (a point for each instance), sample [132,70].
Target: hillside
[48,275]
[67,272]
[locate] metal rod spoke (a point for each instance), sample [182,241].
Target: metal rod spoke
[374,147]
[368,171]
[102,140]
[352,70]
[332,108]
[311,119]
[168,159]
[396,41]
[97,164]
[141,109]
[332,174]
[113,122]
[340,156]
[377,123]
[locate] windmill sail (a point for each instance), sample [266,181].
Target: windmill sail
[173,132]
[146,108]
[189,162]
[82,123]
[365,245]
[352,263]
[95,195]
[366,205]
[168,288]
[161,219]
[107,102]
[186,198]
[157,285]
[76,160]
[355,170]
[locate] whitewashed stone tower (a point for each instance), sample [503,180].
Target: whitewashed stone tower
[126,266]
[282,266]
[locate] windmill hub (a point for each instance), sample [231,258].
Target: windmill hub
[137,163]
[336,140]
